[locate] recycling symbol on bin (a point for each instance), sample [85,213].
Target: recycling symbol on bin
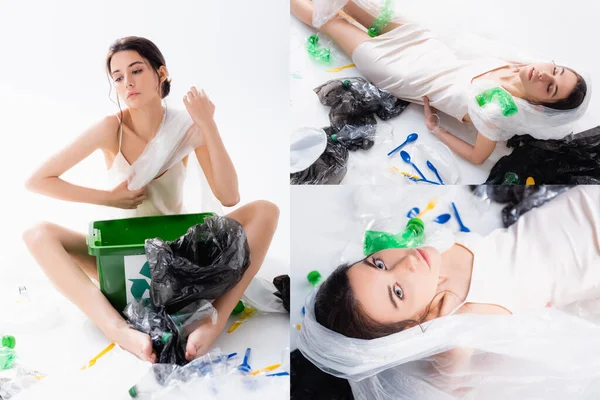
[139,286]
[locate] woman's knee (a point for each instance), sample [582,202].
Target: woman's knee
[38,233]
[266,212]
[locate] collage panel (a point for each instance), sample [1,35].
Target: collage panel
[146,249]
[410,92]
[482,292]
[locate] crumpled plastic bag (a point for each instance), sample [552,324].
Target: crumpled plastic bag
[282,283]
[17,379]
[329,169]
[201,265]
[573,160]
[205,263]
[519,198]
[355,101]
[166,331]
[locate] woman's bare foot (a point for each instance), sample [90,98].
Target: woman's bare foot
[202,336]
[303,10]
[137,343]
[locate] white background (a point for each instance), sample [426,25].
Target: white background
[54,85]
[551,30]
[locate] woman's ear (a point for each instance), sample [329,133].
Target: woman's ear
[163,74]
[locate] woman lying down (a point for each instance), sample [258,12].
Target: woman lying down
[498,316]
[500,97]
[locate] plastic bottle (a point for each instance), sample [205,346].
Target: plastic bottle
[8,355]
[412,236]
[507,104]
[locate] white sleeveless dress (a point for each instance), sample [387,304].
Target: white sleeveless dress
[411,62]
[164,194]
[550,257]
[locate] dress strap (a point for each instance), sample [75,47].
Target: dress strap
[120,131]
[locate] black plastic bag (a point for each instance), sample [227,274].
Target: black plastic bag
[519,198]
[205,263]
[353,101]
[282,284]
[355,137]
[573,160]
[329,169]
[307,382]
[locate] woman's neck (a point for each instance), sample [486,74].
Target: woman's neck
[455,278]
[511,82]
[145,121]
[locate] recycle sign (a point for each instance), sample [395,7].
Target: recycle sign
[137,277]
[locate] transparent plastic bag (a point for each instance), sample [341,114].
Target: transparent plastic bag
[176,138]
[166,331]
[528,119]
[17,379]
[549,355]
[329,169]
[260,295]
[438,155]
[307,145]
[519,198]
[355,102]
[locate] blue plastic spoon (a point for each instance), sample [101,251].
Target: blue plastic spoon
[462,227]
[406,157]
[411,138]
[413,212]
[435,171]
[423,180]
[245,367]
[442,219]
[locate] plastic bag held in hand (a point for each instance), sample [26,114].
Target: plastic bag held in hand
[177,137]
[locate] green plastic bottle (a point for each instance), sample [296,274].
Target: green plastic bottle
[412,236]
[384,18]
[502,97]
[510,178]
[8,355]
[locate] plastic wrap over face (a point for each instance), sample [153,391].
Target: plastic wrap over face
[536,120]
[549,355]
[176,138]
[205,263]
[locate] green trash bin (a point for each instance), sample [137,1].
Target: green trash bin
[118,246]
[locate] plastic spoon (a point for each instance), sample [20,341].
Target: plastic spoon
[422,180]
[245,367]
[406,157]
[442,219]
[430,206]
[413,212]
[462,227]
[435,171]
[411,138]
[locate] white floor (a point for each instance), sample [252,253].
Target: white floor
[540,29]
[57,339]
[324,220]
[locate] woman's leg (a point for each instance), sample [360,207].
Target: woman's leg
[259,220]
[364,18]
[63,256]
[346,35]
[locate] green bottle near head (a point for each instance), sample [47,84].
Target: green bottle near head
[8,341]
[412,236]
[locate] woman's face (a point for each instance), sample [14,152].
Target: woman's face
[547,82]
[397,284]
[134,79]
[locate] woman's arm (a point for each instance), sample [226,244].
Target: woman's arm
[212,156]
[46,179]
[475,154]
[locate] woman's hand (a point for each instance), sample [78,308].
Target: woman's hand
[122,197]
[432,120]
[199,106]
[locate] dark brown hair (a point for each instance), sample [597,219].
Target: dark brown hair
[147,50]
[574,99]
[337,309]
